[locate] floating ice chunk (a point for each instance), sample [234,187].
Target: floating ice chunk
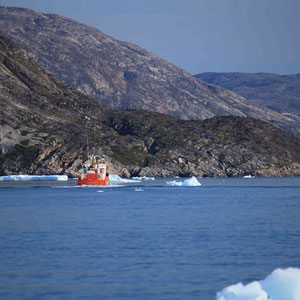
[34,178]
[174,183]
[281,284]
[191,182]
[143,178]
[188,182]
[251,291]
[113,178]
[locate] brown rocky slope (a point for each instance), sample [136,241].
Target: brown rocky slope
[122,75]
[44,126]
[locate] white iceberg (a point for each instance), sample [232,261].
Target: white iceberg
[34,178]
[188,182]
[143,178]
[174,183]
[113,178]
[251,291]
[281,284]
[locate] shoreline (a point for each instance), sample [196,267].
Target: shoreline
[161,182]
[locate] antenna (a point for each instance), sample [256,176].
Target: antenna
[87,143]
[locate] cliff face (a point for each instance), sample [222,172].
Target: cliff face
[44,127]
[280,93]
[122,75]
[221,146]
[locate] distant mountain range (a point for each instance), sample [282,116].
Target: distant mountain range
[122,75]
[44,128]
[280,93]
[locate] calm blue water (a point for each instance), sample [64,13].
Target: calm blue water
[161,243]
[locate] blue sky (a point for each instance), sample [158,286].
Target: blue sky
[197,35]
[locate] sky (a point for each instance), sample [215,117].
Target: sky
[197,35]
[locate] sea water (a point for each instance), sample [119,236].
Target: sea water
[148,241]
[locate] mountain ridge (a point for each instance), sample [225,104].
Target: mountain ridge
[123,75]
[277,92]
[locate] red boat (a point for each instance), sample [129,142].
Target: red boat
[94,172]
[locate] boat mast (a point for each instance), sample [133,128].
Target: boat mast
[87,143]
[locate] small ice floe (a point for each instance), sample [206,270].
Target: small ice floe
[143,178]
[34,178]
[139,190]
[281,284]
[248,176]
[188,182]
[174,183]
[117,179]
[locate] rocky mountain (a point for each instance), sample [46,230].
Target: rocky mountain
[44,128]
[122,75]
[280,93]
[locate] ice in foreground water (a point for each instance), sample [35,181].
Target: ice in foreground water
[281,284]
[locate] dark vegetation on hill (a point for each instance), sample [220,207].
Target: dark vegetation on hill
[122,75]
[44,126]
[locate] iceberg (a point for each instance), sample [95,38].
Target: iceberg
[188,182]
[143,178]
[113,178]
[174,183]
[281,284]
[251,291]
[34,178]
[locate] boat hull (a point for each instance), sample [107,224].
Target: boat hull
[93,181]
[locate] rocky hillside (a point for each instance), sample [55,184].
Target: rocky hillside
[122,75]
[280,93]
[44,127]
